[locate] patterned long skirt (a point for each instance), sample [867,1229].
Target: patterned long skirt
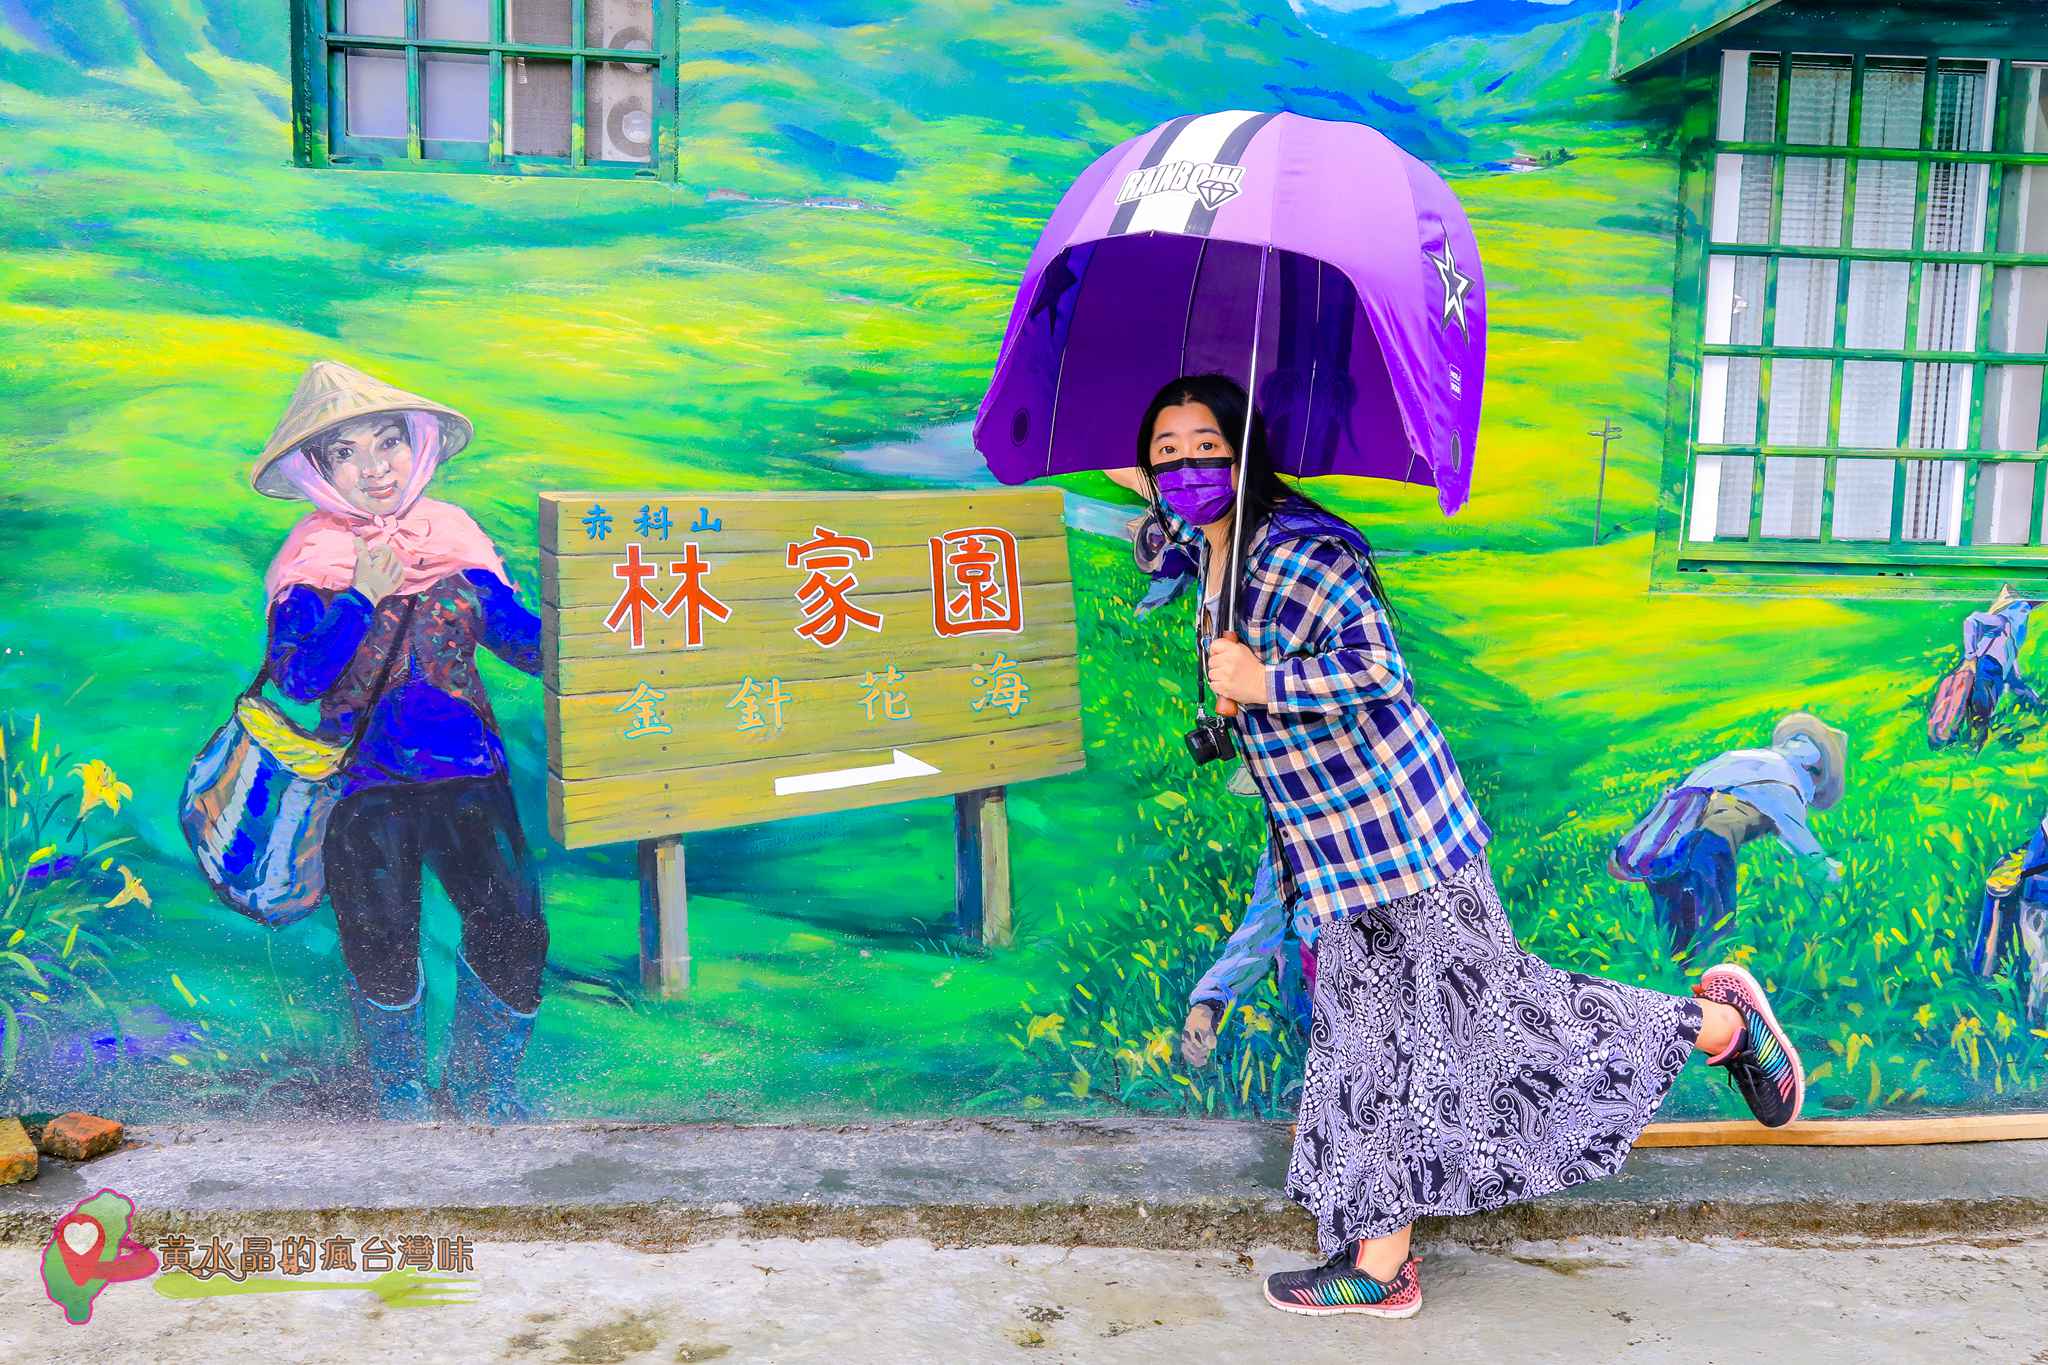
[1451,1072]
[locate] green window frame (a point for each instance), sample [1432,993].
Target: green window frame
[1860,336]
[522,87]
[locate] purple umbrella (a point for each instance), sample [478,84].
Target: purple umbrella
[1317,259]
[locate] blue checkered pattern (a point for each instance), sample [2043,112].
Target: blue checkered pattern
[1367,802]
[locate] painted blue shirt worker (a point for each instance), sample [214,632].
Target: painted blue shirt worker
[1685,849]
[380,572]
[2016,907]
[1991,643]
[1264,940]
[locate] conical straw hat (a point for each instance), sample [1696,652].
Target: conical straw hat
[2006,597]
[332,393]
[1834,754]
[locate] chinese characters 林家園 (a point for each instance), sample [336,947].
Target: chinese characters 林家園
[975,587]
[826,592]
[691,597]
[976,582]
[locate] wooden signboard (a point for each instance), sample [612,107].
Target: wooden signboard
[720,659]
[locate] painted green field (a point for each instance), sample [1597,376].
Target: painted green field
[165,274]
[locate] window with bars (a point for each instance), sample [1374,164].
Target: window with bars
[582,86]
[1874,314]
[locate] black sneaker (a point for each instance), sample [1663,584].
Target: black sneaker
[1761,1061]
[1339,1286]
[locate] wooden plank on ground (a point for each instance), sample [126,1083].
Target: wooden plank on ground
[1880,1132]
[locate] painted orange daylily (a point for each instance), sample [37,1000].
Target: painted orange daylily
[99,787]
[132,889]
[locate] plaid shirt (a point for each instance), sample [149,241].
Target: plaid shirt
[1366,802]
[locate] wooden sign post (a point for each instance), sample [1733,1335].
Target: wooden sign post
[727,659]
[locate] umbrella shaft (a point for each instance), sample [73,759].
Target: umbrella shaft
[1234,570]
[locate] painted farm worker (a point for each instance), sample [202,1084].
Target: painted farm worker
[1448,1071]
[1265,939]
[2016,907]
[1685,849]
[1263,943]
[376,567]
[1991,647]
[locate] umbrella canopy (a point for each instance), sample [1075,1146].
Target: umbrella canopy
[1351,259]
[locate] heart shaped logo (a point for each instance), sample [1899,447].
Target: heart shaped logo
[82,1235]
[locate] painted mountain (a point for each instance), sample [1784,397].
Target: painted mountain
[1391,34]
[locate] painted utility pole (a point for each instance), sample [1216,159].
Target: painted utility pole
[1607,432]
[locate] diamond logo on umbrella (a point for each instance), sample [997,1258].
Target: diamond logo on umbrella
[1216,193]
[1456,285]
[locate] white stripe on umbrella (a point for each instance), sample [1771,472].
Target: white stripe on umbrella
[1200,141]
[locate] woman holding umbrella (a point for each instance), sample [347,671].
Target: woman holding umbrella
[1448,1071]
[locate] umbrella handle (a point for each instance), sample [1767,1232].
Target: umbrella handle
[1225,707]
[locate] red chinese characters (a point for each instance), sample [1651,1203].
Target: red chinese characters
[975,584]
[691,597]
[827,559]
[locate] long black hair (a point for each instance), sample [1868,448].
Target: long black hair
[1264,489]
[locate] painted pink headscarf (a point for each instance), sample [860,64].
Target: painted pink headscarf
[432,539]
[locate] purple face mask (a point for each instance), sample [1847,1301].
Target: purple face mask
[1199,493]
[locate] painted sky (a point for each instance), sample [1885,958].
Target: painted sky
[1309,9]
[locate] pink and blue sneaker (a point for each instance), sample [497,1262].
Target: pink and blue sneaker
[1339,1286]
[1761,1061]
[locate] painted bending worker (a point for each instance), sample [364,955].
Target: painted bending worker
[1685,849]
[2016,906]
[1264,940]
[1991,644]
[378,571]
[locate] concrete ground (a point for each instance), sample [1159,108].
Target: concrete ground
[1583,1301]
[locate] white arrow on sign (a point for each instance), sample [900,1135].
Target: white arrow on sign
[900,764]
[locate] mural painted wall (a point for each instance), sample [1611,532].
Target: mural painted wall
[813,303]
[1647,29]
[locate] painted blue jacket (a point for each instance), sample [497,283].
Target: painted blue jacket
[434,721]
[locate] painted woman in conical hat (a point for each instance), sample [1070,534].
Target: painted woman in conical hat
[376,568]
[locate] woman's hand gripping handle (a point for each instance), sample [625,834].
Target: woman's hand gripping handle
[1236,676]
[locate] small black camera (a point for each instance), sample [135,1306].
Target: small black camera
[1211,740]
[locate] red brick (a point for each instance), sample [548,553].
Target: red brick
[79,1137]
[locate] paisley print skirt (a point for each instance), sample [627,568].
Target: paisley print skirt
[1450,1072]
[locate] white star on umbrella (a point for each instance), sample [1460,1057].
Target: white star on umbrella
[1456,285]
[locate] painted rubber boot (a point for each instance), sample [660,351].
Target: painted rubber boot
[395,1050]
[485,1045]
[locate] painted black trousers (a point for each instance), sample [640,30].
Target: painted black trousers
[466,831]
